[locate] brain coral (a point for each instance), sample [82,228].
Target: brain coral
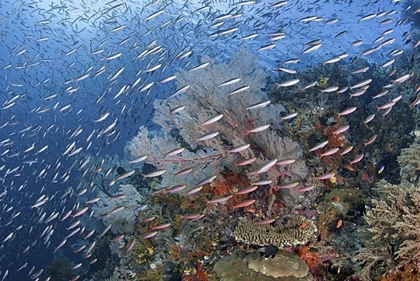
[244,266]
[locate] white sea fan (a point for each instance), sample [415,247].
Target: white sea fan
[285,148]
[204,161]
[123,222]
[203,99]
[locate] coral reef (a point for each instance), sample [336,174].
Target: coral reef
[203,161]
[124,220]
[396,218]
[311,258]
[106,258]
[408,272]
[60,269]
[199,231]
[244,266]
[393,222]
[337,205]
[409,161]
[296,230]
[239,122]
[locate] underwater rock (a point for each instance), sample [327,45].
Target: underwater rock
[120,170]
[245,266]
[171,271]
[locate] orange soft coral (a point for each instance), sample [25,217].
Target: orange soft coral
[200,275]
[230,182]
[334,141]
[311,258]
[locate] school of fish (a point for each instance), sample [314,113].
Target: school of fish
[78,78]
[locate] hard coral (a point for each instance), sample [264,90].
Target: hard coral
[297,230]
[395,219]
[409,272]
[391,233]
[243,266]
[409,161]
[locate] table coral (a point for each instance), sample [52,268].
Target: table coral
[296,230]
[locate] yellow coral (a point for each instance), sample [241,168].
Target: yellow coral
[154,183]
[322,81]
